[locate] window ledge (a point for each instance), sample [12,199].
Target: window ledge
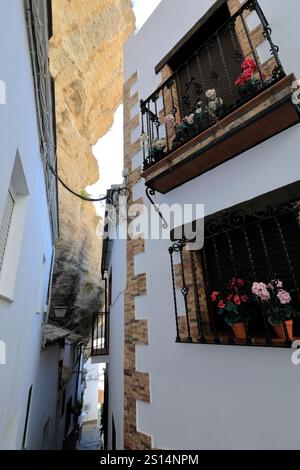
[225,340]
[6,299]
[264,116]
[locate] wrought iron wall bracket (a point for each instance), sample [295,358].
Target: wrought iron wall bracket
[151,192]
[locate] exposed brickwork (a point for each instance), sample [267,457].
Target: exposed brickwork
[136,383]
[171,101]
[166,72]
[140,332]
[256,37]
[191,301]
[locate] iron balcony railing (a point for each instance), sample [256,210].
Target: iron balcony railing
[100,334]
[213,288]
[220,76]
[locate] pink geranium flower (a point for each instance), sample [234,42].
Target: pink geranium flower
[284,297]
[189,119]
[260,289]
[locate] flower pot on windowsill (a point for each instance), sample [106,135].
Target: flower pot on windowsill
[239,330]
[280,330]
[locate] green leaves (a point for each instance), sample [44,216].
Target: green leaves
[231,313]
[274,318]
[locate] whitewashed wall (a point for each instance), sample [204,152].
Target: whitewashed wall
[214,397]
[21,315]
[44,401]
[91,391]
[116,345]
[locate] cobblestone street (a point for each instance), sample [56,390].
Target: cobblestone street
[90,439]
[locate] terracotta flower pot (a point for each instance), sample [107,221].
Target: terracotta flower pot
[280,330]
[239,330]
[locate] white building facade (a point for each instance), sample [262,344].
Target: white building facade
[91,407]
[187,380]
[28,207]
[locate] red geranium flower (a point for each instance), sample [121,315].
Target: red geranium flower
[221,304]
[248,74]
[249,64]
[240,81]
[244,298]
[237,300]
[229,297]
[214,295]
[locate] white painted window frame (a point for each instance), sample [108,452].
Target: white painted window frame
[10,194]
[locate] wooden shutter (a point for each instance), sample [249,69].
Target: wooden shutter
[5,225]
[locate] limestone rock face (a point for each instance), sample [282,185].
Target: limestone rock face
[86,63]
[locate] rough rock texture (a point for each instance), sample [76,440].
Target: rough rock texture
[86,62]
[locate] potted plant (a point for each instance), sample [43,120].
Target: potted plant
[214,106]
[276,303]
[183,130]
[248,82]
[157,149]
[77,407]
[231,305]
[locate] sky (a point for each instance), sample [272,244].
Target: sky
[143,9]
[109,149]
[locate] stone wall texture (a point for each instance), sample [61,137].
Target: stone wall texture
[86,60]
[136,383]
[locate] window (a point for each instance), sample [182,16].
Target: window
[46,434]
[258,251]
[11,229]
[109,290]
[27,417]
[68,416]
[5,224]
[241,246]
[201,69]
[113,435]
[63,403]
[60,373]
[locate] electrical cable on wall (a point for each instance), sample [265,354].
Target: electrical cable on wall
[87,199]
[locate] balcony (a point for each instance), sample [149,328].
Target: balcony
[219,103]
[100,336]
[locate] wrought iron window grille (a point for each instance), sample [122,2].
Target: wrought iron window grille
[256,245]
[100,334]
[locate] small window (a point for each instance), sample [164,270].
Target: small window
[6,223]
[114,435]
[63,403]
[12,226]
[27,417]
[46,434]
[60,373]
[110,289]
[68,416]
